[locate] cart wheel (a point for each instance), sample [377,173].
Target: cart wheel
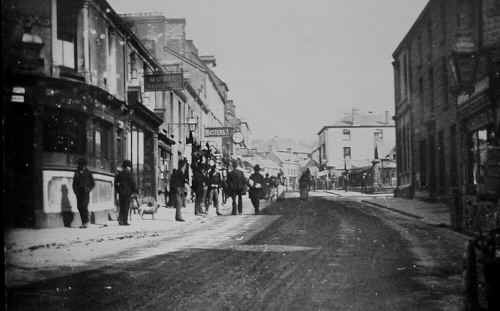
[470,278]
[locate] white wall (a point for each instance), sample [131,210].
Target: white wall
[362,145]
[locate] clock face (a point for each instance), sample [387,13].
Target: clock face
[237,138]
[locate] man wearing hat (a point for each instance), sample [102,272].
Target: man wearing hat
[256,183]
[236,185]
[214,184]
[125,186]
[83,183]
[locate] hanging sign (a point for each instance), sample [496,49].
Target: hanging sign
[218,131]
[164,82]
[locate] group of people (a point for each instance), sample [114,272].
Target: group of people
[207,186]
[83,183]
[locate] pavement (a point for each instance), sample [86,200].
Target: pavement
[437,214]
[35,254]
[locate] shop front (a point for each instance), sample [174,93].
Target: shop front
[476,202]
[50,124]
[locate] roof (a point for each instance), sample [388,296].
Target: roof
[368,119]
[410,31]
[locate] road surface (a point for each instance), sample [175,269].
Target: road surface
[324,254]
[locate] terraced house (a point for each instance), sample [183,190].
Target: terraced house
[446,73]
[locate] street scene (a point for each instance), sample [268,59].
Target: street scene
[263,155]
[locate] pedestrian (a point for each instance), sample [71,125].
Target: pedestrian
[83,183]
[178,188]
[125,186]
[224,186]
[214,184]
[256,183]
[198,182]
[304,184]
[267,186]
[236,186]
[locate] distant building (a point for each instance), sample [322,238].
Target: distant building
[355,141]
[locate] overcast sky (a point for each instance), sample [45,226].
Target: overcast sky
[293,66]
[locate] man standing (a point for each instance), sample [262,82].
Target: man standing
[177,185]
[83,183]
[214,183]
[236,184]
[125,186]
[198,183]
[256,183]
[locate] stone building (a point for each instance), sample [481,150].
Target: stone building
[73,91]
[446,100]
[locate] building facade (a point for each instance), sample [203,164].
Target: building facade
[355,141]
[71,94]
[446,99]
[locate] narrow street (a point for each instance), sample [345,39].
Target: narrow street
[329,253]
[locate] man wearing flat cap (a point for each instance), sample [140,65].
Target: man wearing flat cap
[125,186]
[256,183]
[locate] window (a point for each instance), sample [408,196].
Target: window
[453,155]
[102,144]
[444,65]
[64,132]
[133,72]
[420,51]
[66,33]
[478,148]
[346,134]
[431,89]
[135,152]
[347,152]
[112,76]
[442,168]
[442,12]
[421,97]
[429,36]
[423,164]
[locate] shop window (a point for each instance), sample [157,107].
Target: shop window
[66,33]
[102,144]
[135,152]
[64,131]
[423,164]
[346,134]
[478,152]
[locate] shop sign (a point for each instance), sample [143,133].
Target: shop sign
[164,82]
[218,131]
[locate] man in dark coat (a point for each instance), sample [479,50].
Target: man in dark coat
[178,187]
[256,183]
[214,184]
[198,183]
[236,184]
[125,186]
[83,183]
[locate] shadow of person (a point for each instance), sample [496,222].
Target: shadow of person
[67,214]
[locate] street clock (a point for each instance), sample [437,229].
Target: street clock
[237,138]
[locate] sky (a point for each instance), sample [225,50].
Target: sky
[293,66]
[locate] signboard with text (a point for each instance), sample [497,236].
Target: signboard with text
[164,82]
[218,132]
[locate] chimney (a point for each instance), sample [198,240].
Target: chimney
[387,117]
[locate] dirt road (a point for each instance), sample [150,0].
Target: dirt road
[319,255]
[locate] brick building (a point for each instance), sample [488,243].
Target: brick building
[445,102]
